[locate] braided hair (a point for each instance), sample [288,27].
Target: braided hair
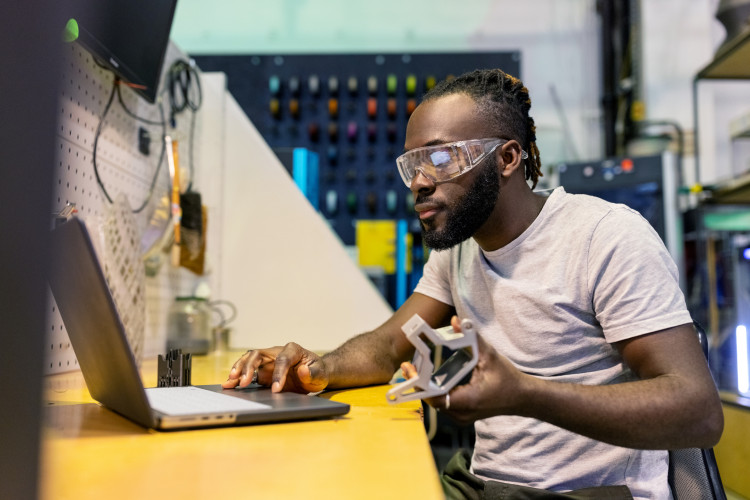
[503,100]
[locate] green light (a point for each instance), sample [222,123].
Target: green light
[70,33]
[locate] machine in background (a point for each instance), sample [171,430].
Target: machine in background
[647,184]
[717,257]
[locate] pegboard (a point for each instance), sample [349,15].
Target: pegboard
[125,172]
[352,110]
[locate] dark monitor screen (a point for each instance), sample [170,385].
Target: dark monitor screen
[130,37]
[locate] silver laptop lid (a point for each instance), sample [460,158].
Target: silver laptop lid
[93,323]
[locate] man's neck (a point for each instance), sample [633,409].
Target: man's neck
[515,211]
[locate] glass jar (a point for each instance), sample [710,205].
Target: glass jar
[188,325]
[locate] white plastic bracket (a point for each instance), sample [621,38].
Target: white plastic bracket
[430,382]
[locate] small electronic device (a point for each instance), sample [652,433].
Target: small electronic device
[431,382]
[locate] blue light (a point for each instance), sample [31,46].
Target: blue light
[743,377]
[746,253]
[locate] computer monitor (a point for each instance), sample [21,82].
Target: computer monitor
[128,37]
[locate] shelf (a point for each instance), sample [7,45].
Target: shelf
[739,128]
[732,61]
[733,191]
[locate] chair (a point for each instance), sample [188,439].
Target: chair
[693,473]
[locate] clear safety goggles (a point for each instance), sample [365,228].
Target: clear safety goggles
[445,162]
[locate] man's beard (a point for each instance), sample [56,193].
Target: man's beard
[465,216]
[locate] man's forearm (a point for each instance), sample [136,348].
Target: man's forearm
[367,359]
[373,357]
[659,413]
[674,404]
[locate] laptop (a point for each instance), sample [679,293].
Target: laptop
[109,368]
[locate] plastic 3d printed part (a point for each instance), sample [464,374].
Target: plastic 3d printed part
[175,369]
[430,382]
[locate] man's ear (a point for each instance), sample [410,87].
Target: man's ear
[509,156]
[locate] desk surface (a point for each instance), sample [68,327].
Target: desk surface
[375,451]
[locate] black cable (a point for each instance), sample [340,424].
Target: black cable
[181,76]
[184,86]
[133,115]
[96,138]
[116,90]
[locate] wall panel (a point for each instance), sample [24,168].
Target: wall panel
[125,172]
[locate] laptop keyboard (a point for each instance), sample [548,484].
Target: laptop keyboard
[190,400]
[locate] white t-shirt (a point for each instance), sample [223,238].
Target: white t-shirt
[586,273]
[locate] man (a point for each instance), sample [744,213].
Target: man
[588,363]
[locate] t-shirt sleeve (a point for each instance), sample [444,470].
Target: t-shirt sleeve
[435,281]
[633,281]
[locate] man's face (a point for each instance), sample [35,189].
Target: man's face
[453,211]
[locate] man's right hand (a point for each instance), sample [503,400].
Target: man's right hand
[288,368]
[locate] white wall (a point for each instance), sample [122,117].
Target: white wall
[280,264]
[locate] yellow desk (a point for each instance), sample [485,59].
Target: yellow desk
[375,451]
[733,451]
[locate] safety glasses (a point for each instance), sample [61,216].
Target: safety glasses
[445,162]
